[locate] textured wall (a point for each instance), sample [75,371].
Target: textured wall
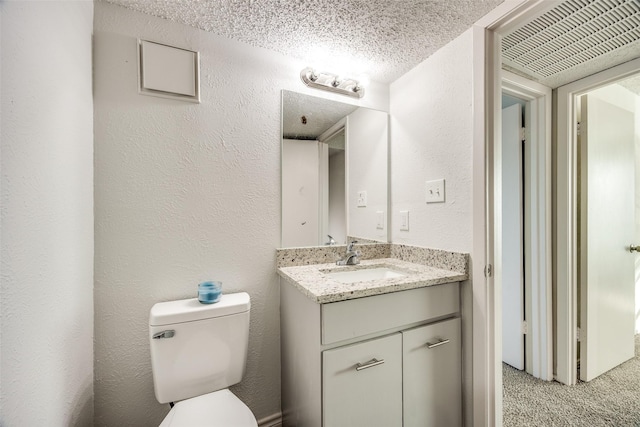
[432,138]
[185,192]
[368,146]
[431,134]
[47,214]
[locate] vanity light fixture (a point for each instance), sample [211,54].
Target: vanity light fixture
[332,83]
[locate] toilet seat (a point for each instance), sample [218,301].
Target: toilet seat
[218,409]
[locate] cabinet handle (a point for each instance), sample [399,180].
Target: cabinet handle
[437,344]
[370,364]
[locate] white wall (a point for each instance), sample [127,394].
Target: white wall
[367,139]
[47,214]
[185,192]
[431,138]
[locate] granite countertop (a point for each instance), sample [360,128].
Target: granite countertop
[313,281]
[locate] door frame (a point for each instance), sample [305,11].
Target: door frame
[487,308]
[537,223]
[566,215]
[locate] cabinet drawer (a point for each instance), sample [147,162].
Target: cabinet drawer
[362,384]
[358,317]
[432,375]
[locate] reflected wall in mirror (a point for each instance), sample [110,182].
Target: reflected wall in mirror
[334,171]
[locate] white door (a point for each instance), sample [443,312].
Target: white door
[607,230]
[512,256]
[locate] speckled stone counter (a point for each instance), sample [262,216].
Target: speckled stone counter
[313,281]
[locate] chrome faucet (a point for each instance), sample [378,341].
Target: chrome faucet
[351,257]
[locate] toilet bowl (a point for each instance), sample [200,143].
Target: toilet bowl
[218,409]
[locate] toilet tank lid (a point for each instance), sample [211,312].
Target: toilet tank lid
[188,310]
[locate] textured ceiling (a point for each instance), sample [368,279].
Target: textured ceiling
[320,114]
[575,39]
[381,38]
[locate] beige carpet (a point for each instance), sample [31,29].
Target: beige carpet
[612,399]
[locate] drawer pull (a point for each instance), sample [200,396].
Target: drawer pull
[437,344]
[370,364]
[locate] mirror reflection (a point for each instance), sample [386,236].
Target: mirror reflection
[334,172]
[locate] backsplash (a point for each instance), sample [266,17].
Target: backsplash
[437,258]
[291,257]
[362,240]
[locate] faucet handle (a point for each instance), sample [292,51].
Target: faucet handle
[350,247]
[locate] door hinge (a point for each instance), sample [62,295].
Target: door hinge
[488,270]
[525,327]
[522,134]
[578,334]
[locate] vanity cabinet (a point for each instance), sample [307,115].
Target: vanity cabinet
[362,383]
[432,376]
[386,360]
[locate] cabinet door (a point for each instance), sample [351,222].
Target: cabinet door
[432,375]
[362,384]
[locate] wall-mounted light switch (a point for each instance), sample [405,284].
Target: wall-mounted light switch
[404,220]
[435,191]
[380,220]
[362,199]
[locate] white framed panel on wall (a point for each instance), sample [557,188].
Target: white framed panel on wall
[168,71]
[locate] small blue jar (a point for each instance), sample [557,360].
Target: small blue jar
[209,292]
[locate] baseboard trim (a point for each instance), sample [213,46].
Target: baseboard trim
[274,420]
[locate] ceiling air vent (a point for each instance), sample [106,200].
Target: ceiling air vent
[572,34]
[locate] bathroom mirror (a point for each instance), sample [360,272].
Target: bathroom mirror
[334,172]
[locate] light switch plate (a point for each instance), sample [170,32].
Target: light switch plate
[434,191]
[380,220]
[404,220]
[362,199]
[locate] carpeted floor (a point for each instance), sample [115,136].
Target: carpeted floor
[612,399]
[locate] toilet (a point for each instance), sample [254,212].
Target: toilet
[197,351]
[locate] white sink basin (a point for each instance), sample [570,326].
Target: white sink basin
[365,274]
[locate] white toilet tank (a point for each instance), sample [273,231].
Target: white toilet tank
[198,348]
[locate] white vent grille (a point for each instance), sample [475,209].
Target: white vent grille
[573,33]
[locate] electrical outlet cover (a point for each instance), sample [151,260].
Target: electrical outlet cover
[404,220]
[380,220]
